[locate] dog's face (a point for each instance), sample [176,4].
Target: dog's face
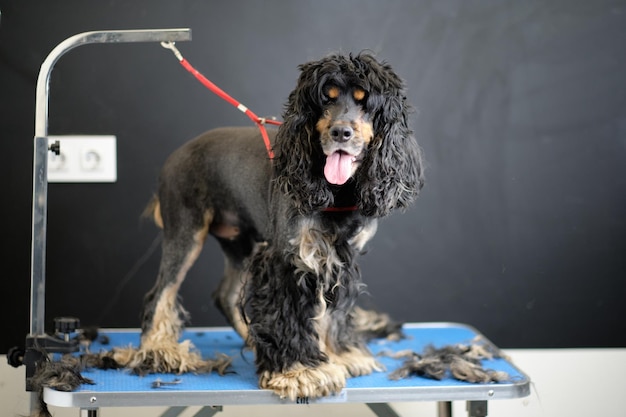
[346,122]
[345,130]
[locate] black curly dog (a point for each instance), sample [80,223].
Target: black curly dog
[290,228]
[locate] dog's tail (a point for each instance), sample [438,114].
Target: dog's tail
[153,210]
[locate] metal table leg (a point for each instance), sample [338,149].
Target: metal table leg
[174,411]
[208,411]
[476,408]
[444,409]
[382,409]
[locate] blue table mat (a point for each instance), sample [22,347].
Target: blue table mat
[212,342]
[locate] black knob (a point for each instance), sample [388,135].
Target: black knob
[56,147]
[15,356]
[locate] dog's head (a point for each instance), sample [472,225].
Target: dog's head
[346,122]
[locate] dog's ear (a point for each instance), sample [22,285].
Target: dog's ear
[297,154]
[391,174]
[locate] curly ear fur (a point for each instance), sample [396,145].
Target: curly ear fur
[391,173]
[299,157]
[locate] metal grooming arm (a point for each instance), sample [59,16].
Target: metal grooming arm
[37,337]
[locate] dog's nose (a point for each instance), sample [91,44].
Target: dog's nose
[341,133]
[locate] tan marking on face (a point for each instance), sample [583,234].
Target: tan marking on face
[333,92]
[323,124]
[365,130]
[358,94]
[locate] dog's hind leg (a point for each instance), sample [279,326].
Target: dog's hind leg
[163,316]
[228,295]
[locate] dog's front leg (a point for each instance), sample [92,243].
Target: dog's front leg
[281,305]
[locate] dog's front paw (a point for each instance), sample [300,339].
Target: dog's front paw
[168,357]
[300,381]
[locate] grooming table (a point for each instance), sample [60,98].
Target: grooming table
[119,388]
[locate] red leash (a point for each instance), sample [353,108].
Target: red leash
[260,121]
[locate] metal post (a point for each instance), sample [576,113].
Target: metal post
[477,408]
[174,411]
[382,409]
[444,409]
[208,411]
[40,197]
[40,164]
[40,178]
[88,412]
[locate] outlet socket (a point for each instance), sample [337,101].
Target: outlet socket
[83,158]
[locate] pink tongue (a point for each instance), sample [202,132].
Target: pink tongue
[338,168]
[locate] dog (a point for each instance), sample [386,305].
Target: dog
[291,228]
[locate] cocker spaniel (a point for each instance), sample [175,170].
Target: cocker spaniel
[291,228]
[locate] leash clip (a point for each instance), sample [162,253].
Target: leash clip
[171,46]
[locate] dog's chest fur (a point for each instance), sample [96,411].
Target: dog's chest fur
[326,244]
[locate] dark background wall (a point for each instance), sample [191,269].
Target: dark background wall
[521,112]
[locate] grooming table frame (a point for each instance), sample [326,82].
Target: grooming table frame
[37,337]
[120,388]
[41,149]
[375,390]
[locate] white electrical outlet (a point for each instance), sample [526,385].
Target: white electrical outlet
[83,158]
